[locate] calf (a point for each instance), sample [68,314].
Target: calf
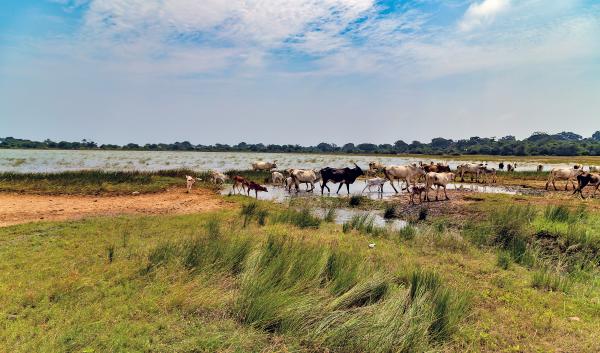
[379,182]
[277,178]
[417,190]
[440,180]
[256,187]
[239,182]
[586,179]
[217,177]
[190,181]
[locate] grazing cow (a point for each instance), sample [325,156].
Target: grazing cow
[469,168]
[510,167]
[239,182]
[586,179]
[488,172]
[417,190]
[501,165]
[439,180]
[568,174]
[407,173]
[306,176]
[217,177]
[259,165]
[340,175]
[379,182]
[190,181]
[256,187]
[540,168]
[277,178]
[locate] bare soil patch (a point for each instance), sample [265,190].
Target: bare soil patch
[24,208]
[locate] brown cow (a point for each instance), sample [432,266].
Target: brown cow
[256,187]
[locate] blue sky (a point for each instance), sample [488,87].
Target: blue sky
[297,71]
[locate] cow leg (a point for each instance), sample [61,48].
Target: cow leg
[567,185]
[348,188]
[554,184]
[363,190]
[437,190]
[392,183]
[446,194]
[339,187]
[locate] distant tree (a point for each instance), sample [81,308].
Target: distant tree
[596,136]
[440,142]
[325,147]
[569,136]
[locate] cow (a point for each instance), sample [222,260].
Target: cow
[375,167]
[578,166]
[488,172]
[594,169]
[416,190]
[501,165]
[307,176]
[585,179]
[217,177]
[379,182]
[259,165]
[568,174]
[190,181]
[277,178]
[511,167]
[256,187]
[540,168]
[407,173]
[239,182]
[469,168]
[438,168]
[438,180]
[340,175]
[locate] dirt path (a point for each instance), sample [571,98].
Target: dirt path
[22,208]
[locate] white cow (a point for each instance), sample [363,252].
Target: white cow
[379,182]
[189,182]
[469,168]
[408,173]
[594,169]
[259,165]
[568,174]
[278,178]
[439,180]
[307,176]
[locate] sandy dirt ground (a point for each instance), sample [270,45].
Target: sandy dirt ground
[23,208]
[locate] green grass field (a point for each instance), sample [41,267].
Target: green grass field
[270,279]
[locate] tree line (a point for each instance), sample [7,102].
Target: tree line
[539,143]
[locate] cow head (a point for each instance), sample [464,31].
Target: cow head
[357,168]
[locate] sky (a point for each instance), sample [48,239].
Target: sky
[297,71]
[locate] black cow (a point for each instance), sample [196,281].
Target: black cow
[339,175]
[586,179]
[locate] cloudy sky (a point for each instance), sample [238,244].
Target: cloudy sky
[297,71]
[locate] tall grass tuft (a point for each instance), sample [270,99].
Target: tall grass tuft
[546,280]
[302,219]
[511,230]
[558,213]
[356,200]
[329,215]
[503,260]
[407,232]
[248,211]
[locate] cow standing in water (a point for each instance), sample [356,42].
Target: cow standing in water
[340,175]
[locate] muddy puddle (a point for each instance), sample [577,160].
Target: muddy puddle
[281,194]
[343,215]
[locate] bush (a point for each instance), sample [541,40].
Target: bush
[390,212]
[356,200]
[422,214]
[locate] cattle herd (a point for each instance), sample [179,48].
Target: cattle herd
[434,176]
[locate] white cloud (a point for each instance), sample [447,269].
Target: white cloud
[483,13]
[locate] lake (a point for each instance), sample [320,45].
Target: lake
[64,160]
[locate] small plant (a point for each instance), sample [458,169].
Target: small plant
[346,228]
[261,217]
[249,211]
[111,253]
[390,212]
[302,219]
[423,211]
[356,200]
[504,260]
[329,215]
[213,228]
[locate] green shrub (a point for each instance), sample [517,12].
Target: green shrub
[557,213]
[356,200]
[249,211]
[550,281]
[504,260]
[302,219]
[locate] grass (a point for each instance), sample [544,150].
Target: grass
[207,283]
[94,182]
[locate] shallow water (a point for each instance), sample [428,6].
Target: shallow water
[57,160]
[343,215]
